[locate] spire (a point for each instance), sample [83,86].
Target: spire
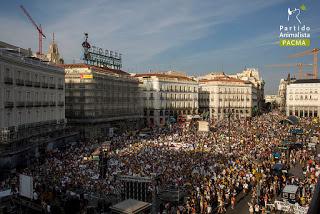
[53,37]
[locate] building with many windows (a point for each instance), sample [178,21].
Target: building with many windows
[32,109]
[252,75]
[221,95]
[167,95]
[101,100]
[302,98]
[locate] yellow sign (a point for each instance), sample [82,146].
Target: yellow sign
[86,76]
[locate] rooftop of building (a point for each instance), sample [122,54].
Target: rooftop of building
[301,81]
[26,52]
[224,78]
[170,75]
[18,55]
[96,68]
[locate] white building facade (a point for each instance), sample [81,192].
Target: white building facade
[32,101]
[30,91]
[302,98]
[223,95]
[167,95]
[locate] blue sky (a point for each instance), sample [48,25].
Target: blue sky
[194,36]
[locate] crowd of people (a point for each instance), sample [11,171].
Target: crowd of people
[214,169]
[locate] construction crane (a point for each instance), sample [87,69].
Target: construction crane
[299,65]
[315,59]
[39,29]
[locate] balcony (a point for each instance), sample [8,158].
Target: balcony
[44,85]
[61,103]
[29,104]
[60,87]
[45,103]
[36,84]
[8,104]
[28,83]
[37,104]
[20,104]
[52,103]
[8,80]
[52,86]
[19,82]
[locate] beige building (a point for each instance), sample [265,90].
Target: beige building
[252,75]
[223,94]
[101,100]
[32,109]
[168,94]
[303,98]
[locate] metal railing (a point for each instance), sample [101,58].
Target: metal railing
[19,82]
[28,83]
[8,80]
[36,84]
[20,104]
[8,104]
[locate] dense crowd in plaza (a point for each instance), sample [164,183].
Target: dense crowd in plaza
[213,169]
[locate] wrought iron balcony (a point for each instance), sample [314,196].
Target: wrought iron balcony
[52,86]
[20,104]
[8,104]
[44,85]
[28,83]
[60,86]
[8,80]
[37,104]
[61,103]
[29,104]
[36,84]
[19,82]
[52,103]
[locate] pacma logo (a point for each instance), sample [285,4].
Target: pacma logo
[296,12]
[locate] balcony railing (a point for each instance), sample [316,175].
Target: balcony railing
[52,103]
[19,82]
[20,104]
[44,85]
[8,104]
[36,84]
[60,86]
[45,103]
[61,103]
[29,104]
[28,83]
[52,86]
[37,104]
[8,80]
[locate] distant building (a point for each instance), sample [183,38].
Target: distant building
[282,92]
[168,94]
[32,109]
[272,99]
[302,98]
[53,55]
[223,94]
[252,75]
[101,100]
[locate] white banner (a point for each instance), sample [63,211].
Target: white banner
[285,206]
[26,186]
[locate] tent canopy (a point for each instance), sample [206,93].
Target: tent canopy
[293,120]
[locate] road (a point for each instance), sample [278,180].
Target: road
[241,205]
